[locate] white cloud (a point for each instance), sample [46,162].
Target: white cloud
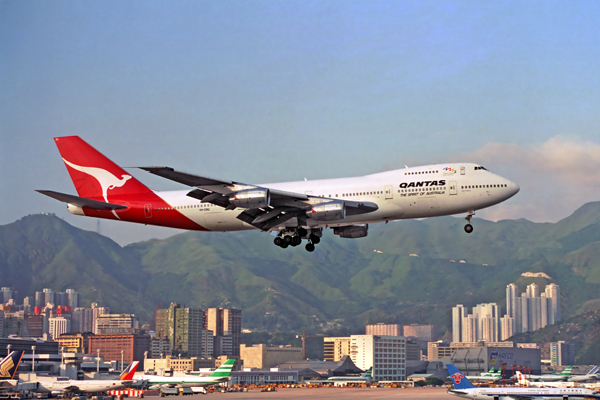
[556,177]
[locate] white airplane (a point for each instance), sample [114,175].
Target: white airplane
[89,386]
[489,376]
[465,389]
[592,375]
[562,376]
[220,375]
[296,210]
[365,377]
[524,382]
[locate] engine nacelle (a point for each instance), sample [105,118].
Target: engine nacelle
[253,198]
[75,210]
[328,211]
[352,231]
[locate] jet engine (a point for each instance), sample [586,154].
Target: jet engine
[352,231]
[253,198]
[328,211]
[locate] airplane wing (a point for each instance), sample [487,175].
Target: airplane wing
[264,208]
[7,384]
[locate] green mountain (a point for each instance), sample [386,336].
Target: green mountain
[405,271]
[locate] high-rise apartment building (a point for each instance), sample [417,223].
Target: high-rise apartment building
[533,310]
[183,328]
[384,329]
[336,347]
[226,326]
[507,327]
[482,324]
[425,333]
[459,313]
[562,353]
[552,292]
[57,326]
[116,323]
[385,354]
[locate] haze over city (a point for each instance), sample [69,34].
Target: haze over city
[265,91]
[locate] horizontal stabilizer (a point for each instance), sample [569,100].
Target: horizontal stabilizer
[82,201]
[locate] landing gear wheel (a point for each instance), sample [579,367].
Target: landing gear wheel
[296,240]
[302,232]
[310,247]
[278,241]
[468,228]
[287,239]
[284,245]
[315,239]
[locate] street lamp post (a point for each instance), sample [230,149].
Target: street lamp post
[33,362]
[98,362]
[145,357]
[121,360]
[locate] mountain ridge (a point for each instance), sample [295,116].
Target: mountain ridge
[343,284]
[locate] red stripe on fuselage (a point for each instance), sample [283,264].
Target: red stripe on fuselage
[162,214]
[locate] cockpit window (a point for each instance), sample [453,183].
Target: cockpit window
[480,168]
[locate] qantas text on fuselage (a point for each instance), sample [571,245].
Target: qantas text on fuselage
[295,210]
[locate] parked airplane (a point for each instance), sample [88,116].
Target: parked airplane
[89,386]
[489,376]
[365,377]
[523,381]
[465,389]
[8,369]
[296,210]
[563,376]
[592,375]
[220,375]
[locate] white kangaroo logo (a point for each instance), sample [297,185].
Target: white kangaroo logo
[107,180]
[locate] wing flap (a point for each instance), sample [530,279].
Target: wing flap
[82,201]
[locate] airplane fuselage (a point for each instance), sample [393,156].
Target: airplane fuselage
[419,192]
[523,393]
[91,386]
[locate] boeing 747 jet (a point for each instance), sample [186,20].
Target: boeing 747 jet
[295,210]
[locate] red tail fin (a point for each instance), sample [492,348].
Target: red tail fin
[128,373]
[93,174]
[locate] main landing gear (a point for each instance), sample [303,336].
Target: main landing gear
[468,226]
[293,237]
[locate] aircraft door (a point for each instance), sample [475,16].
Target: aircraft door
[452,187]
[389,194]
[148,210]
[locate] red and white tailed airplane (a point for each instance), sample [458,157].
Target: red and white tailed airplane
[297,210]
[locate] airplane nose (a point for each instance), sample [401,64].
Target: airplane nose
[514,188]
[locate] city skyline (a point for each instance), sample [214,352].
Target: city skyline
[512,87]
[528,312]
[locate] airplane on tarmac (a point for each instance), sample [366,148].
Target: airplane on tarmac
[563,376]
[524,382]
[88,386]
[592,375]
[8,369]
[489,376]
[365,377]
[220,375]
[296,210]
[465,389]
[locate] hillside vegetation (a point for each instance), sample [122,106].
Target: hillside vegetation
[406,271]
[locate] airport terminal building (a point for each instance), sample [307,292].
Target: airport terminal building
[475,360]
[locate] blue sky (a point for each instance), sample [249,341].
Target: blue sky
[267,91]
